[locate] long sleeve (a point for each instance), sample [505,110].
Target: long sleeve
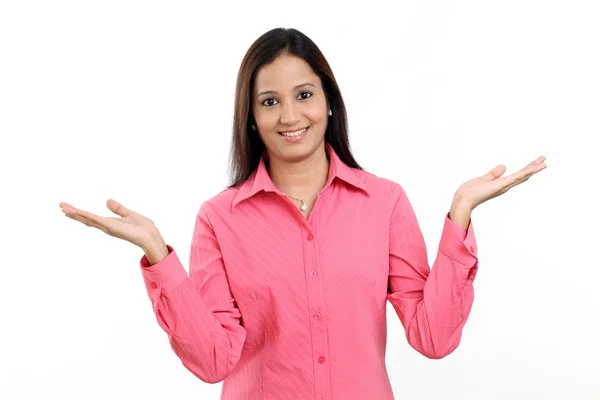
[197,312]
[433,304]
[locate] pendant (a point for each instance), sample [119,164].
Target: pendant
[303,206]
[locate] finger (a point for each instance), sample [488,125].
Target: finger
[534,166]
[117,208]
[95,220]
[77,218]
[516,179]
[539,160]
[86,221]
[66,206]
[495,173]
[526,172]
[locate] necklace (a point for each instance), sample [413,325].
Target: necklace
[303,205]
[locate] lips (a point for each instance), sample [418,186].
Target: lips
[293,133]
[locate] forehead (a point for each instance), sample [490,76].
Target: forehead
[285,72]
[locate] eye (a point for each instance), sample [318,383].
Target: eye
[308,94]
[267,104]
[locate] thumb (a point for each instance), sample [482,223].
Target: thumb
[117,208]
[495,173]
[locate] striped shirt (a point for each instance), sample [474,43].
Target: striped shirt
[280,306]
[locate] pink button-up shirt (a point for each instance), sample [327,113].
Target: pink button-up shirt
[278,306]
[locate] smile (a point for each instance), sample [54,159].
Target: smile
[293,134]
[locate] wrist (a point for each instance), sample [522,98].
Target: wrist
[155,248]
[153,239]
[460,212]
[459,202]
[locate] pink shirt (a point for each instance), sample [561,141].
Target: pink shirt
[278,306]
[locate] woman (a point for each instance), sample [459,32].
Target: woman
[292,264]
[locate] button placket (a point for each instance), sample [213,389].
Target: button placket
[318,328]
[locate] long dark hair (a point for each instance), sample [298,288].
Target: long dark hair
[247,147]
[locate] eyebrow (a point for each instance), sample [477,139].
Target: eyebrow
[295,87]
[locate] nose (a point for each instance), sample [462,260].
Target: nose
[290,114]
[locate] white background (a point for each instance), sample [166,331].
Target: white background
[133,100]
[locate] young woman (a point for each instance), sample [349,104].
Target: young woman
[292,264]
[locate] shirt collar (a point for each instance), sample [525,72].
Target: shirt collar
[260,179]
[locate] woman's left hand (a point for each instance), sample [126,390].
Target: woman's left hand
[483,188]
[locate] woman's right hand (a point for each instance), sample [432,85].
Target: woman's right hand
[132,227]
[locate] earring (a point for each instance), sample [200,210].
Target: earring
[330,113]
[253,128]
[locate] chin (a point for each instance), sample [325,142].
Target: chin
[299,151]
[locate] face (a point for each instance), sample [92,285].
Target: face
[289,108]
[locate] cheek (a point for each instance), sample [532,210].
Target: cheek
[266,120]
[317,117]
[317,112]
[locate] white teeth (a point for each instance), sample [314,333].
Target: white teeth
[292,134]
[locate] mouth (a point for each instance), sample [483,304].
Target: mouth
[294,136]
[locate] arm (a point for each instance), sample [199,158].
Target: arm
[433,304]
[197,312]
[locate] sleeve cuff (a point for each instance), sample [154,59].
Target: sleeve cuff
[165,274]
[458,244]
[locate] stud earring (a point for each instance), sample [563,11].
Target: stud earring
[330,113]
[253,128]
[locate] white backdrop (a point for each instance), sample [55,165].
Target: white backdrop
[133,100]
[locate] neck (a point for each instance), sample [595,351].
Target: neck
[302,178]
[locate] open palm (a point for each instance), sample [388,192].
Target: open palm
[132,227]
[483,188]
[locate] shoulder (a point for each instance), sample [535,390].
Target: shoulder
[387,195]
[379,186]
[218,205]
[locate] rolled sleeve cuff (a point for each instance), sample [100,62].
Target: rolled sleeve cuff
[458,244]
[165,274]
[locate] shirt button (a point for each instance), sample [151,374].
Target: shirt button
[472,249]
[313,273]
[321,360]
[310,236]
[318,315]
[154,285]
